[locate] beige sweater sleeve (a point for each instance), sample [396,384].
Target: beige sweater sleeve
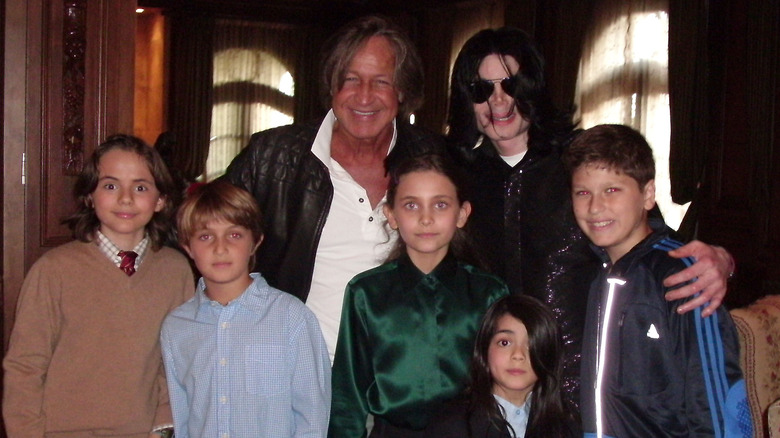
[31,345]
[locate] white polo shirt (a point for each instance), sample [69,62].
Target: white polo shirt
[355,238]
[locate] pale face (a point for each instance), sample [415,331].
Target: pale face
[367,103]
[498,118]
[611,208]
[510,362]
[426,213]
[125,198]
[221,251]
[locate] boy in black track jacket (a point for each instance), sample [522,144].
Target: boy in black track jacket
[647,371]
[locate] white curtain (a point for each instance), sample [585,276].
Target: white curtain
[254,70]
[623,78]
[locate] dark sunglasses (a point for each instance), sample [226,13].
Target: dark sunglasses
[480,90]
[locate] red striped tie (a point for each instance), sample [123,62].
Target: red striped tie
[128,262]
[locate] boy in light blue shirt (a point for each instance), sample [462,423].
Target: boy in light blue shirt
[242,358]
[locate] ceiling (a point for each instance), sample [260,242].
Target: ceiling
[292,11]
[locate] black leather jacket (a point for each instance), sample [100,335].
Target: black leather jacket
[294,191]
[522,221]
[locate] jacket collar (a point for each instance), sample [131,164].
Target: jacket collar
[322,141]
[640,249]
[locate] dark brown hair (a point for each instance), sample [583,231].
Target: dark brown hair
[84,222]
[342,47]
[461,245]
[619,148]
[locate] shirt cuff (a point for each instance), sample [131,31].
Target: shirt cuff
[164,430]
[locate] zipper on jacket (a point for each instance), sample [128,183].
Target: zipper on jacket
[602,351]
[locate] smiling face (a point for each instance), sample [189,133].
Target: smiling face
[611,208]
[222,251]
[510,362]
[367,102]
[498,118]
[125,198]
[426,211]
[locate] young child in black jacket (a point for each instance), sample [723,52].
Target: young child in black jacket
[515,388]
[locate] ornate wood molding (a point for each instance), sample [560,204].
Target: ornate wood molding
[74,41]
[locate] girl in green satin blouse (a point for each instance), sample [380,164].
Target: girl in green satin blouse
[408,326]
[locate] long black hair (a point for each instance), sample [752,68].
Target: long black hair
[549,416]
[549,125]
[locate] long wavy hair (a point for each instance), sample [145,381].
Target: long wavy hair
[84,222]
[347,41]
[549,416]
[549,125]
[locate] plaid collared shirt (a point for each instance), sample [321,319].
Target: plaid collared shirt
[110,250]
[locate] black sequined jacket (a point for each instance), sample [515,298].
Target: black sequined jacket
[523,224]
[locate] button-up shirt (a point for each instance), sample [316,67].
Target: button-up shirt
[110,250]
[256,367]
[516,416]
[354,238]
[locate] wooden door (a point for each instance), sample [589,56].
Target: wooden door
[68,83]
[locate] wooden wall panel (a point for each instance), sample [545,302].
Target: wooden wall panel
[62,134]
[87,92]
[68,82]
[149,106]
[22,111]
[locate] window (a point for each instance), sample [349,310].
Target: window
[253,87]
[623,79]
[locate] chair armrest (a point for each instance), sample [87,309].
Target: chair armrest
[773,417]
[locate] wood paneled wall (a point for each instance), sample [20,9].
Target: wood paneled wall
[150,72]
[68,83]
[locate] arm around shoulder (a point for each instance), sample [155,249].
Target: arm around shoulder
[711,270]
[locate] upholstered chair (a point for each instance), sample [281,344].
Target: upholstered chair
[759,336]
[773,415]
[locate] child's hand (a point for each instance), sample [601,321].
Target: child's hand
[711,270]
